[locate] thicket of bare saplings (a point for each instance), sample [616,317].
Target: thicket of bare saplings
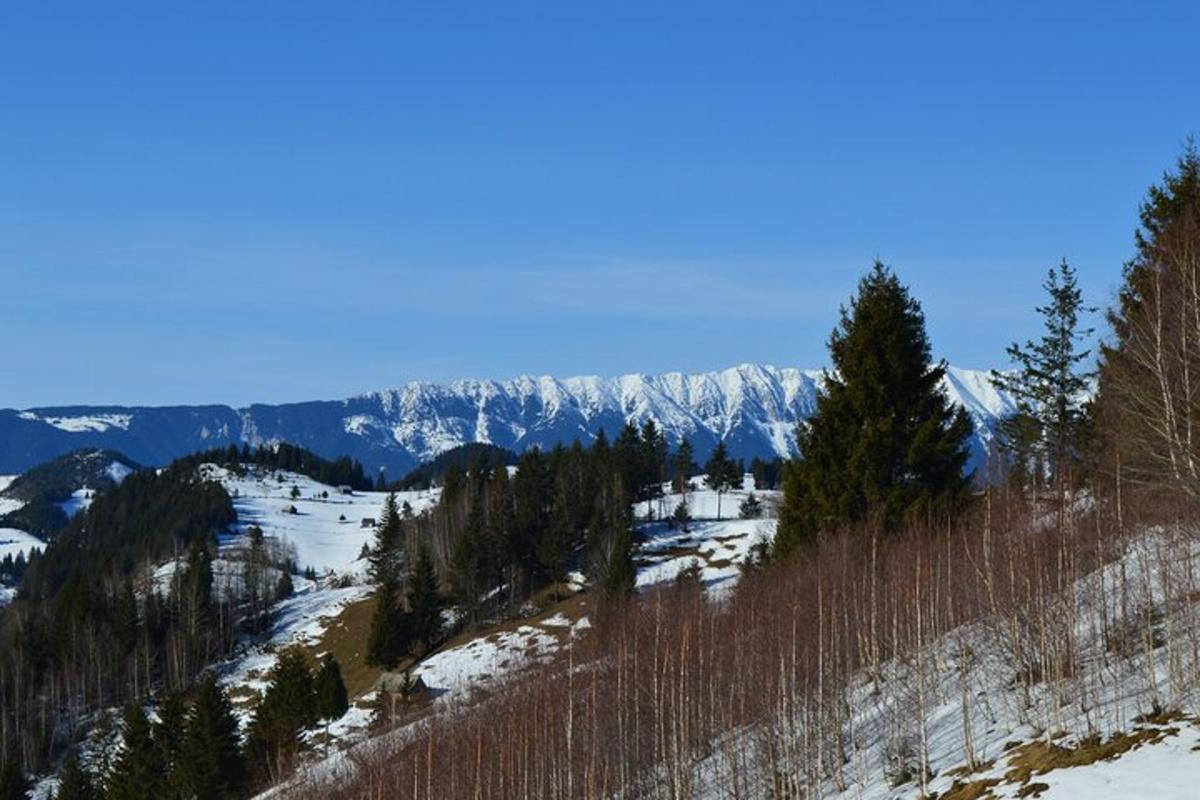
[762,696]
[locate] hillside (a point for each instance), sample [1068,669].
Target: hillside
[753,408]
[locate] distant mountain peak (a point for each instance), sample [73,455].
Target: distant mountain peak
[753,407]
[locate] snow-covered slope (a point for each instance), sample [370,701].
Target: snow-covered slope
[327,528]
[754,408]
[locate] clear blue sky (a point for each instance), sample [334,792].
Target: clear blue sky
[232,202]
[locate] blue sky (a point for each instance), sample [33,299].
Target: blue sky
[283,201]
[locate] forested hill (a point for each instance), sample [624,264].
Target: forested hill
[753,408]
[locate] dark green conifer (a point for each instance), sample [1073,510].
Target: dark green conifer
[287,707]
[722,473]
[75,782]
[885,443]
[330,690]
[1049,385]
[424,602]
[212,765]
[138,773]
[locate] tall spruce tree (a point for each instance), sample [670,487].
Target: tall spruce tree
[1049,384]
[612,567]
[385,558]
[722,473]
[467,561]
[388,638]
[884,443]
[212,765]
[425,602]
[683,465]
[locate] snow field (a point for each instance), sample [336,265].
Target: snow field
[323,540]
[13,541]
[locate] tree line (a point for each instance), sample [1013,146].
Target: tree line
[498,536]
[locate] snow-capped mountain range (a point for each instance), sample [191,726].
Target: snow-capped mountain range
[753,408]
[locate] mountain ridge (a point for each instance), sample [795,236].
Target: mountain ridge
[754,408]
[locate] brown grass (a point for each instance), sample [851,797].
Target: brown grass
[345,638]
[1041,757]
[975,790]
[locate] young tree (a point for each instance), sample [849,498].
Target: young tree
[138,772]
[1048,384]
[723,474]
[681,516]
[884,442]
[285,710]
[74,782]
[212,765]
[330,690]
[751,507]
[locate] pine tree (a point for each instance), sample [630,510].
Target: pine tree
[330,690]
[285,710]
[125,618]
[612,567]
[386,556]
[532,491]
[723,474]
[467,560]
[681,516]
[683,466]
[212,765]
[74,782]
[554,547]
[138,772]
[1049,385]
[387,639]
[885,442]
[424,602]
[168,734]
[751,507]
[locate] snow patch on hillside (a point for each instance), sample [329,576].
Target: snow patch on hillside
[79,500]
[90,423]
[484,659]
[327,530]
[716,547]
[13,542]
[118,471]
